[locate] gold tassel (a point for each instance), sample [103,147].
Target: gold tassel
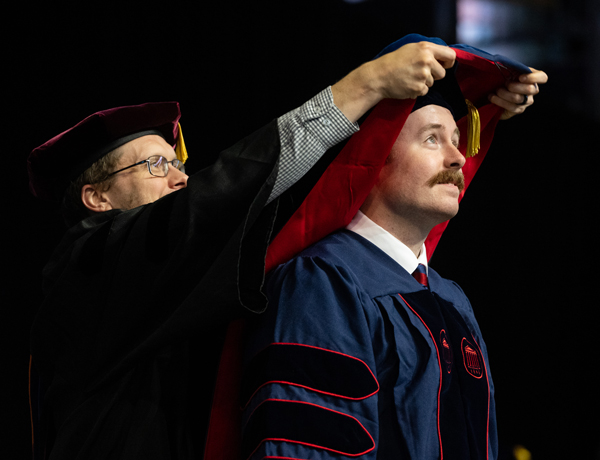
[180,149]
[473,131]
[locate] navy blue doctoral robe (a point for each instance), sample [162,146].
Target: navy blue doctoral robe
[355,358]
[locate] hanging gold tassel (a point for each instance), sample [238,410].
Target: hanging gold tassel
[473,130]
[180,149]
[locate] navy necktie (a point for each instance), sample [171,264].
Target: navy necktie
[420,274]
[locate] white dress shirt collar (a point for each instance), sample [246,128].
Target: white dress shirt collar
[388,243]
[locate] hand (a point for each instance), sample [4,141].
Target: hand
[512,97]
[407,72]
[411,70]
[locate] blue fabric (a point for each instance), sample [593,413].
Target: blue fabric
[344,295]
[414,38]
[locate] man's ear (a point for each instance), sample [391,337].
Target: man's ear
[94,198]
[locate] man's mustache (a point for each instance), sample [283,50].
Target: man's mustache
[448,177]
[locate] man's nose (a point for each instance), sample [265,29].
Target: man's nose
[177,179]
[454,159]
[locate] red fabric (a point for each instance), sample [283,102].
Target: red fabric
[340,192]
[490,114]
[223,438]
[343,187]
[334,201]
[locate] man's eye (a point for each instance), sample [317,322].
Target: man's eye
[431,140]
[157,162]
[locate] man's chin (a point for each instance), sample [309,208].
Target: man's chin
[447,213]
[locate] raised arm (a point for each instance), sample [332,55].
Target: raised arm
[408,72]
[307,132]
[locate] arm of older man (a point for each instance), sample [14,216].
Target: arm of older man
[410,71]
[405,73]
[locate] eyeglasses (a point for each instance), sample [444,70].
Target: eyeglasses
[157,166]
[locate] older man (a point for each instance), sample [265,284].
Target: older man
[365,351]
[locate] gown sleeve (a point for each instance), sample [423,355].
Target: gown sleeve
[136,302]
[295,406]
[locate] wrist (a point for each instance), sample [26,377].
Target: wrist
[357,92]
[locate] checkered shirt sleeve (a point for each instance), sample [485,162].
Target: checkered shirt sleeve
[305,134]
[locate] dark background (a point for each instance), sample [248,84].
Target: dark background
[522,247]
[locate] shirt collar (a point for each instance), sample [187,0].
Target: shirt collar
[388,243]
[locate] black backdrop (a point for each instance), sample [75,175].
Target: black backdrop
[522,247]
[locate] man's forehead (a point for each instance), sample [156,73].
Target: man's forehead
[150,139]
[431,110]
[438,127]
[431,117]
[146,146]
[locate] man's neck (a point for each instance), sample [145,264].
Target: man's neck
[411,235]
[387,242]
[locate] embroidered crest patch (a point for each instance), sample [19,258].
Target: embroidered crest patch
[472,358]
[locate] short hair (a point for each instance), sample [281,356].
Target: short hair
[73,209]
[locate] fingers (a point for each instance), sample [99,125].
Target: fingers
[418,65]
[405,73]
[518,95]
[437,71]
[521,88]
[443,54]
[512,103]
[436,59]
[534,78]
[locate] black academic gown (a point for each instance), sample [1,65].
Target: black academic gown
[127,341]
